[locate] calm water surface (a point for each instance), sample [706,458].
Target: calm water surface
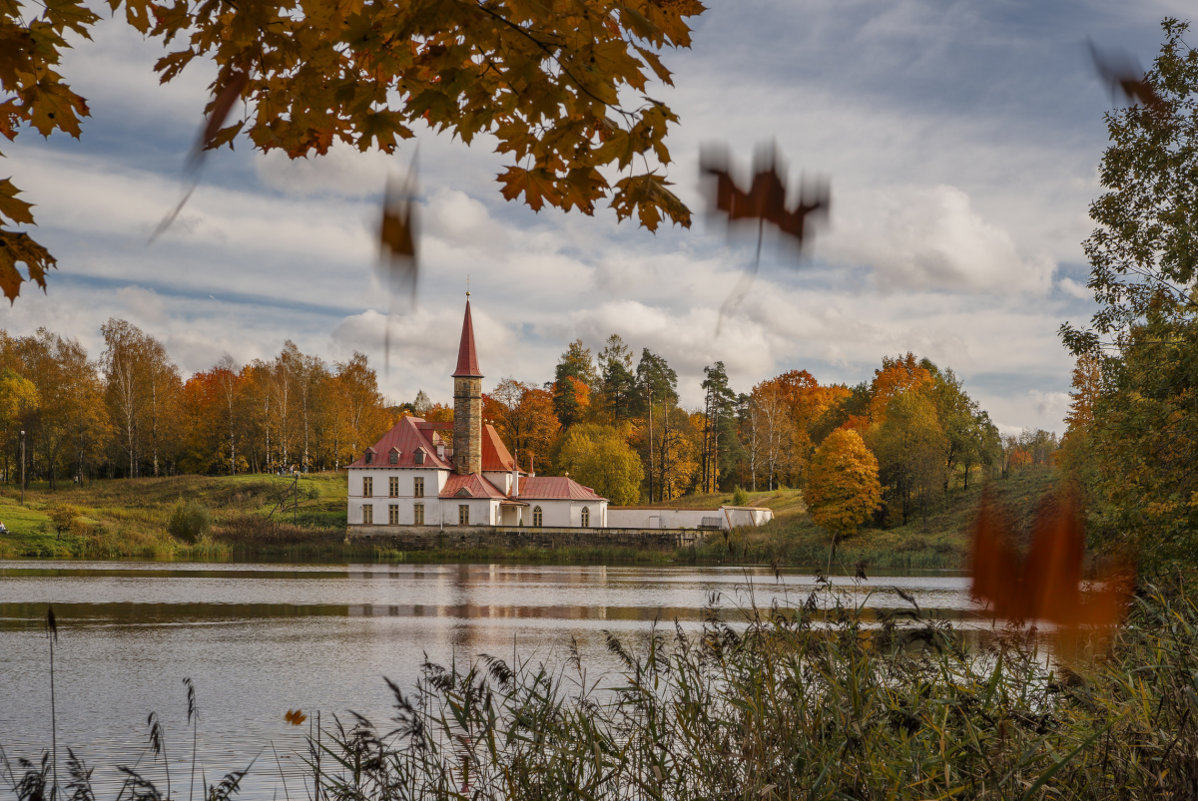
[258,640]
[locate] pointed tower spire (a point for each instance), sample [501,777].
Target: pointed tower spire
[467,356]
[467,403]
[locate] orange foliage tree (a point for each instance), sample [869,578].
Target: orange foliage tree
[523,417]
[843,488]
[895,377]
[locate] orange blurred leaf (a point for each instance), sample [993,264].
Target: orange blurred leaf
[295,717]
[1046,584]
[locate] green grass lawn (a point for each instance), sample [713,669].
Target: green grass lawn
[261,517]
[936,541]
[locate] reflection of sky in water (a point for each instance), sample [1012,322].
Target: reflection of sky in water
[258,640]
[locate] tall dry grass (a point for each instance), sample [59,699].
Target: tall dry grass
[810,700]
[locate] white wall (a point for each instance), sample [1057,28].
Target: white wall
[725,517]
[557,513]
[381,499]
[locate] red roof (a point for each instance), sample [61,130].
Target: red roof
[409,434]
[470,485]
[556,488]
[467,357]
[495,453]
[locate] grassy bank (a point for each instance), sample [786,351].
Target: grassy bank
[937,540]
[259,517]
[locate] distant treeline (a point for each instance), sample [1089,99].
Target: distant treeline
[611,422]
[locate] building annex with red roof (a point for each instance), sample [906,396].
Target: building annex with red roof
[461,473]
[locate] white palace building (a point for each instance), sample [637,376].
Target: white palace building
[461,474]
[437,475]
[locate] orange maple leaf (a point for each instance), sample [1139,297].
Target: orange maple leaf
[1046,584]
[295,717]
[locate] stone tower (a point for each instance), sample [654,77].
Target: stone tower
[467,403]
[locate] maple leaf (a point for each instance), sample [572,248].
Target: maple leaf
[765,201]
[295,717]
[537,185]
[1046,584]
[12,208]
[52,104]
[398,240]
[218,111]
[647,196]
[1121,72]
[20,248]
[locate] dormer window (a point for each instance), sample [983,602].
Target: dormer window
[418,456]
[369,456]
[393,456]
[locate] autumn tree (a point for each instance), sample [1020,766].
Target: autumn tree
[523,417]
[599,456]
[617,379]
[897,375]
[655,397]
[1077,454]
[573,379]
[720,443]
[19,398]
[1143,255]
[359,416]
[421,404]
[564,91]
[676,445]
[910,445]
[843,488]
[771,433]
[141,388]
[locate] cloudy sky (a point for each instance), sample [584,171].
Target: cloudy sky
[961,141]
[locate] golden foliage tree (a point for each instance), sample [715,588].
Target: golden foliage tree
[843,488]
[600,457]
[523,417]
[562,88]
[896,376]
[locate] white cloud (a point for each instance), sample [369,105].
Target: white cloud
[921,237]
[1075,289]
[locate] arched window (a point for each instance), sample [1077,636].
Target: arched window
[586,517]
[537,516]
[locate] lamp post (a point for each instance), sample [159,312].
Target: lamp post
[22,467]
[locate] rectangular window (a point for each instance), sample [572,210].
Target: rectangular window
[368,515]
[393,486]
[367,487]
[418,487]
[418,511]
[393,514]
[464,514]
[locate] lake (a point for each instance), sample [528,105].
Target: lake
[258,640]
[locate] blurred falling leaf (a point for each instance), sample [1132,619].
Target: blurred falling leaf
[1046,584]
[1120,72]
[295,717]
[211,135]
[764,201]
[398,238]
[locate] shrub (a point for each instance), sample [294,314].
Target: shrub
[189,521]
[740,497]
[62,517]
